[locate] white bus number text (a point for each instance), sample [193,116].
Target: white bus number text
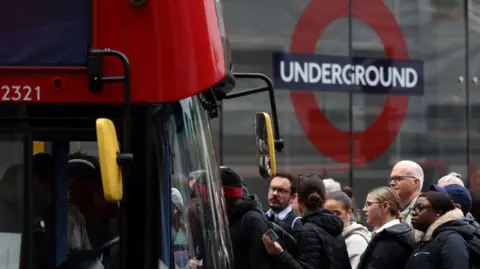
[20,93]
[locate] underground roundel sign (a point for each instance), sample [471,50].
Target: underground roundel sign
[304,73]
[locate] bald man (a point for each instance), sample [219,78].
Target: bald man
[406,179]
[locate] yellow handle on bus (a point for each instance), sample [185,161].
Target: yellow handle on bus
[38,147]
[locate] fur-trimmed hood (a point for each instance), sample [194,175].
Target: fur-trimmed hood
[452,220]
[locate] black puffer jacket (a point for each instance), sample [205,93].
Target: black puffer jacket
[390,248]
[247,227]
[319,244]
[443,246]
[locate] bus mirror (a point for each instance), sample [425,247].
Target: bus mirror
[108,150]
[265,145]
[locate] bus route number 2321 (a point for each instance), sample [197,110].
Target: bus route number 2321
[19,93]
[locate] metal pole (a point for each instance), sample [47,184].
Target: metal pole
[60,190]
[220,136]
[350,96]
[467,84]
[27,243]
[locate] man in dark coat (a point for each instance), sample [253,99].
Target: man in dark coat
[247,224]
[281,192]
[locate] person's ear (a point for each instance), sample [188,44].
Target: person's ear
[417,182]
[385,206]
[349,214]
[293,197]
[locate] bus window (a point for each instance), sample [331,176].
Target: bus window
[197,227]
[86,192]
[11,201]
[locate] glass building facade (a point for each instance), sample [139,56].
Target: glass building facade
[439,129]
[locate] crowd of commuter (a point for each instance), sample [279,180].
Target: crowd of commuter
[403,226]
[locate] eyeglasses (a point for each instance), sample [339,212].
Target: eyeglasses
[336,212]
[400,178]
[419,208]
[278,190]
[369,203]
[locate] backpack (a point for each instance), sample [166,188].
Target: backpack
[472,241]
[473,244]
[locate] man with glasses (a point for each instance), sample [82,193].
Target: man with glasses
[281,193]
[406,179]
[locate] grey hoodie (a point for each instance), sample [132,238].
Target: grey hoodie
[357,238]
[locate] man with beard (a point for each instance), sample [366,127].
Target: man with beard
[281,193]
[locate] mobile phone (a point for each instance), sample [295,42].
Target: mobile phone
[270,233]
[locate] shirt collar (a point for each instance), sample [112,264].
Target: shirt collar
[283,214]
[409,206]
[387,225]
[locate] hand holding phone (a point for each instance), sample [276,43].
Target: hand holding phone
[272,235]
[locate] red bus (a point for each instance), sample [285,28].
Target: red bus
[155,72]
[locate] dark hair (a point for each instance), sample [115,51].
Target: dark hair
[291,178]
[89,170]
[341,197]
[307,176]
[440,202]
[84,156]
[43,166]
[348,190]
[311,192]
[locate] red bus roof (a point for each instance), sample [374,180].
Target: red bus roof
[174,49]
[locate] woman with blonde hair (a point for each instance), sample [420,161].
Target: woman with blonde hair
[393,240]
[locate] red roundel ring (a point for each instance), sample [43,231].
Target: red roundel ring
[327,138]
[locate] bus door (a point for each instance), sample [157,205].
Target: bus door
[74,188]
[44,202]
[33,202]
[35,211]
[66,131]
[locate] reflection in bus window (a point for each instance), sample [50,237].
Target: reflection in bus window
[11,197]
[11,203]
[198,222]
